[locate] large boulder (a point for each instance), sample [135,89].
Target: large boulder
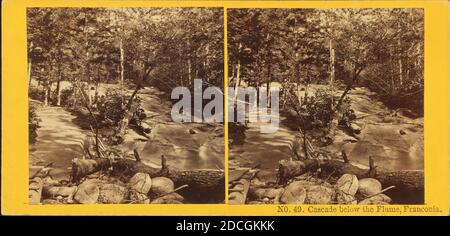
[161,186]
[318,194]
[348,184]
[294,193]
[87,193]
[141,182]
[369,186]
[112,194]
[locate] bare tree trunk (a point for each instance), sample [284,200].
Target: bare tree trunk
[123,124]
[269,70]
[337,113]
[47,94]
[332,74]
[58,86]
[58,92]
[121,70]
[400,64]
[238,76]
[29,74]
[189,65]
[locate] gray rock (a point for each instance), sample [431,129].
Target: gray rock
[161,186]
[355,128]
[294,193]
[141,182]
[369,186]
[87,193]
[318,194]
[348,184]
[112,194]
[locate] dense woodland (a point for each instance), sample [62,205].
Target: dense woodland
[165,47]
[100,81]
[378,48]
[351,87]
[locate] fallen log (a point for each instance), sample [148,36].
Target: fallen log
[193,178]
[404,180]
[128,167]
[83,167]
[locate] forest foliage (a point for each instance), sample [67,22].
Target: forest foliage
[381,49]
[164,47]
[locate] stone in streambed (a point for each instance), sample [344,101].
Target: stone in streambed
[112,194]
[141,182]
[348,184]
[318,194]
[369,186]
[87,193]
[161,186]
[63,191]
[294,193]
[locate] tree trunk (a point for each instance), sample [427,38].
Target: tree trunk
[127,168]
[193,178]
[128,113]
[332,74]
[47,94]
[121,70]
[269,70]
[403,180]
[29,74]
[58,89]
[238,76]
[337,113]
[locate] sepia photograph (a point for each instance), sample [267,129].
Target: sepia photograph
[333,102]
[103,128]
